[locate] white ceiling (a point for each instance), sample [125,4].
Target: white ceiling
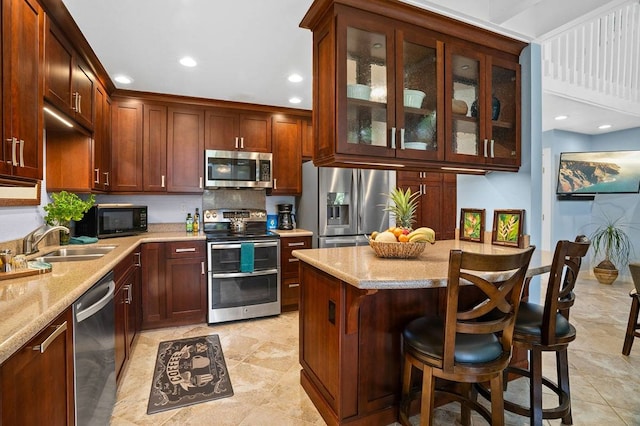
[245,49]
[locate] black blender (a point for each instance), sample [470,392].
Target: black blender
[285,216]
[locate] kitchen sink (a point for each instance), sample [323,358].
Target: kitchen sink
[69,254]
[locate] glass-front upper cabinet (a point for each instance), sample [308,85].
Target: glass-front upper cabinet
[483,103]
[419,97]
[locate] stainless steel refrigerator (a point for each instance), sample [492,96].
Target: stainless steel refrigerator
[340,206]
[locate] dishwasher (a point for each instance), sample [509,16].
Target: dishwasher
[94,353]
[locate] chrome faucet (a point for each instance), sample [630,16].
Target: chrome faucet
[31,240]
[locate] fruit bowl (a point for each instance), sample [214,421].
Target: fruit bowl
[397,250]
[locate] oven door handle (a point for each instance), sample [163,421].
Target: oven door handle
[237,245]
[245,274]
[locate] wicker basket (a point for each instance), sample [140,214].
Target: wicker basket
[397,250]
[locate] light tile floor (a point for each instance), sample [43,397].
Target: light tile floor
[262,358]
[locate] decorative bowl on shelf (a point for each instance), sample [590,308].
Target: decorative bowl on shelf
[413,98]
[459,107]
[358,91]
[397,250]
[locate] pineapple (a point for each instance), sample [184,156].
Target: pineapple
[404,206]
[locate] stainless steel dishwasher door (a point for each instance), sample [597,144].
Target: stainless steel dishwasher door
[94,353]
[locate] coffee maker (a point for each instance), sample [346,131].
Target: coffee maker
[285,217]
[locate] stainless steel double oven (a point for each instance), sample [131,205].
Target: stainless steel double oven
[243,265]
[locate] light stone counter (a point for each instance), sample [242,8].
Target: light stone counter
[360,267]
[293,232]
[28,304]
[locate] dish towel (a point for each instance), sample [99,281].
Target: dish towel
[246,257]
[82,240]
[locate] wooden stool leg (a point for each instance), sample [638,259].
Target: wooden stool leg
[497,401]
[631,327]
[428,390]
[562,365]
[535,397]
[405,400]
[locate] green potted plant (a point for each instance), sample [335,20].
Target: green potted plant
[611,240]
[64,208]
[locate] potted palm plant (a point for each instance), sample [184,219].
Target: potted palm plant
[64,208]
[611,240]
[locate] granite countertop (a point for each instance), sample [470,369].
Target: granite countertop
[360,267]
[29,303]
[293,232]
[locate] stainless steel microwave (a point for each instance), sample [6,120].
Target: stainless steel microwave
[112,220]
[238,169]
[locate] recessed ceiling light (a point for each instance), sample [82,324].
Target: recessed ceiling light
[295,78]
[123,79]
[604,126]
[561,117]
[295,100]
[188,61]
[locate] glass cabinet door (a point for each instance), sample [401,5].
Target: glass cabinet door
[465,103]
[418,98]
[505,129]
[367,71]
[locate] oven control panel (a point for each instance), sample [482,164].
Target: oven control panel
[230,215]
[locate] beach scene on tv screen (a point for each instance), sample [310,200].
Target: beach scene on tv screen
[599,172]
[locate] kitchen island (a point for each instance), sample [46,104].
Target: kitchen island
[353,307]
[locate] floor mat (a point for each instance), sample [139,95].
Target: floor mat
[188,371]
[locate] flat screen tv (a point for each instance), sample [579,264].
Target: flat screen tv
[600,172]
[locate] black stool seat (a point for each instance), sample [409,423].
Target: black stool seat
[531,318]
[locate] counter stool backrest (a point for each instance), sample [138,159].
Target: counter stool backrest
[560,297]
[634,267]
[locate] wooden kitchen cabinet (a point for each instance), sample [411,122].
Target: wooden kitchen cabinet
[128,308]
[69,83]
[174,284]
[307,140]
[37,380]
[126,146]
[287,155]
[437,205]
[185,149]
[290,282]
[154,142]
[102,141]
[238,130]
[489,132]
[381,94]
[21,152]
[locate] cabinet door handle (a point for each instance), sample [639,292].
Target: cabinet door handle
[294,285]
[21,142]
[106,178]
[242,142]
[186,250]
[97,179]
[79,103]
[14,142]
[162,181]
[128,299]
[202,272]
[492,153]
[393,138]
[59,329]
[293,259]
[485,147]
[200,183]
[402,138]
[299,244]
[275,183]
[137,262]
[237,142]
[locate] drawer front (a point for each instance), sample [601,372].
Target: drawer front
[289,263]
[181,249]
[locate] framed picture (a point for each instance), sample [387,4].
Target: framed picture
[472,225]
[508,227]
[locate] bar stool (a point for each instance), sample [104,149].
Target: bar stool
[546,328]
[633,325]
[466,346]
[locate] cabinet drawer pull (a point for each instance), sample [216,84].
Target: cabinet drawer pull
[129,297]
[294,285]
[186,250]
[58,331]
[300,244]
[137,261]
[293,259]
[97,179]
